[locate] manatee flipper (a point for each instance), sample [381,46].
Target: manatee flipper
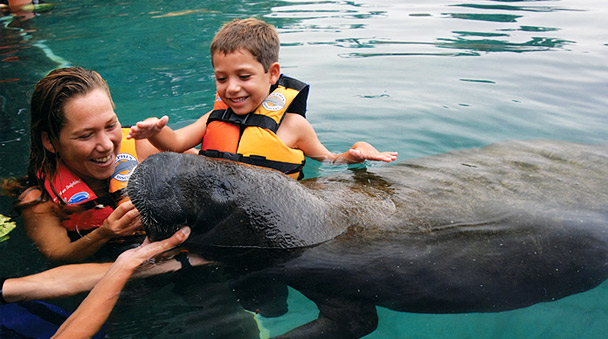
[263,296]
[338,318]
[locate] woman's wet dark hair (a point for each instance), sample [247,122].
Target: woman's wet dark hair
[47,116]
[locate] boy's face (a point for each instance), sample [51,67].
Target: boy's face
[240,80]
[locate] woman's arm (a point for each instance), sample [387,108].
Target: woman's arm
[97,306]
[59,282]
[68,280]
[44,228]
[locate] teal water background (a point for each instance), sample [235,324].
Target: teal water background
[417,77]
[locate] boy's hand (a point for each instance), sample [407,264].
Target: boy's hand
[362,151]
[147,128]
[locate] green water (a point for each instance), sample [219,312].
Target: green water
[418,77]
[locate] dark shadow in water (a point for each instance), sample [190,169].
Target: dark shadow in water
[484,17]
[195,303]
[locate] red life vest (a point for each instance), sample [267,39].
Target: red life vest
[67,188]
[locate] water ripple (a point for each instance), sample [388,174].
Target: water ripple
[515,8]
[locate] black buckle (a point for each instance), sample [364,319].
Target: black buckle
[230,156]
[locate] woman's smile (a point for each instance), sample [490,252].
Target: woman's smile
[90,140]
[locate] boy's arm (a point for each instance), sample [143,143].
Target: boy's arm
[147,128]
[297,132]
[361,151]
[166,139]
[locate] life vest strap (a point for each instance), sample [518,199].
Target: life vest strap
[221,155]
[247,120]
[257,160]
[110,199]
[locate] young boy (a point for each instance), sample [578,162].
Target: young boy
[259,114]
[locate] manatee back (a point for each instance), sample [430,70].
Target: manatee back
[489,182]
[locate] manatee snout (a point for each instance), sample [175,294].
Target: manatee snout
[156,195]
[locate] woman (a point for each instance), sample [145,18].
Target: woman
[79,160]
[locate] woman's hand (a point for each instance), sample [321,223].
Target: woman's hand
[123,221]
[132,259]
[167,262]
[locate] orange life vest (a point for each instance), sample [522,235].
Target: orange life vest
[251,138]
[67,188]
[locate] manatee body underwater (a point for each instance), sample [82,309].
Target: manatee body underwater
[481,230]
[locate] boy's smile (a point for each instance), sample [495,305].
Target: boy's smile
[241,81]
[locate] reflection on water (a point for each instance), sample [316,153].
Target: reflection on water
[489,45]
[485,17]
[418,77]
[516,8]
[467,46]
[461,43]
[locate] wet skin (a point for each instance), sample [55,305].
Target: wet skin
[481,230]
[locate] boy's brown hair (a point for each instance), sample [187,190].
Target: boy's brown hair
[256,36]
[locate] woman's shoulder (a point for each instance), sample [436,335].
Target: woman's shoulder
[30,194]
[33,199]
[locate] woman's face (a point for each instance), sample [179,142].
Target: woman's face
[90,138]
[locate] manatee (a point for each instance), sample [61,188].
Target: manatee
[480,230]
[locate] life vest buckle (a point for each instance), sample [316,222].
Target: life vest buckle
[231,156]
[222,155]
